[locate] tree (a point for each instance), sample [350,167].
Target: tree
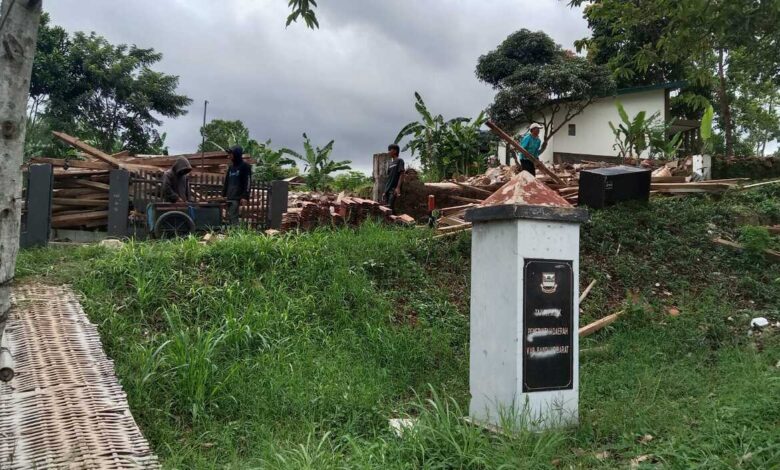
[537,81]
[19,32]
[701,40]
[317,162]
[271,163]
[444,147]
[222,134]
[352,181]
[19,27]
[102,93]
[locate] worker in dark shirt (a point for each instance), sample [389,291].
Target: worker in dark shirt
[176,182]
[237,182]
[395,177]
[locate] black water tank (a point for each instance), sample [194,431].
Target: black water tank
[606,186]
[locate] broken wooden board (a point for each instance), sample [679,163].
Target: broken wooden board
[88,149]
[508,139]
[771,254]
[597,325]
[81,218]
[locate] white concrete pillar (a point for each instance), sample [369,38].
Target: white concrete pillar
[702,164]
[524,307]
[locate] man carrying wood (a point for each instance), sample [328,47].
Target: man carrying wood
[237,183]
[395,176]
[533,145]
[176,182]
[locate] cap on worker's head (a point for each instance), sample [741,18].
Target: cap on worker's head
[236,151]
[535,126]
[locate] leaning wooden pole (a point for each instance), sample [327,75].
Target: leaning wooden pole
[509,140]
[18,35]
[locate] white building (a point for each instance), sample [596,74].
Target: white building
[588,135]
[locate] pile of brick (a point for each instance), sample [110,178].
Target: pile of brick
[307,211]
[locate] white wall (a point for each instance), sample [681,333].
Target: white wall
[593,135]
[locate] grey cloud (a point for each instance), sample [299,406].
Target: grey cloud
[352,80]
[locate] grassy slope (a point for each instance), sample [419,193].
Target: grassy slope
[293,352]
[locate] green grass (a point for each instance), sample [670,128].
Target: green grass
[293,352]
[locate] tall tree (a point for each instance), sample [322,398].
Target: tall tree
[222,134]
[103,93]
[537,81]
[18,33]
[699,37]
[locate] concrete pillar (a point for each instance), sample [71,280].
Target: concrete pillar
[37,224]
[278,204]
[524,307]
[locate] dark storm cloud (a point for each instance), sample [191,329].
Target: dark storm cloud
[353,80]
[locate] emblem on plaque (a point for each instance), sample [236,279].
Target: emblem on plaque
[549,283]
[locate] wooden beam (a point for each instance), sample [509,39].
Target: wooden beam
[587,291]
[59,162]
[71,220]
[92,184]
[88,149]
[466,199]
[509,140]
[760,184]
[479,190]
[771,254]
[597,325]
[64,201]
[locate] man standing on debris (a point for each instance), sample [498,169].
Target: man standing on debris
[237,181]
[532,144]
[395,176]
[176,182]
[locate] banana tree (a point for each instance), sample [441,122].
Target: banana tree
[317,162]
[631,135]
[270,162]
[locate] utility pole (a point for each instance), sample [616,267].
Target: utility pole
[19,35]
[203,136]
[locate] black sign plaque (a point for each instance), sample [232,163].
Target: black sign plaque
[548,344]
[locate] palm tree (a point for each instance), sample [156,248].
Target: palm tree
[317,162]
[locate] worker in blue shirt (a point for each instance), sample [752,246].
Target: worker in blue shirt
[532,144]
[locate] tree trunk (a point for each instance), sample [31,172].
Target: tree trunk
[18,37]
[725,107]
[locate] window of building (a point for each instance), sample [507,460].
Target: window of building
[572,129]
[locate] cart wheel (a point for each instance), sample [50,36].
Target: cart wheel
[173,224]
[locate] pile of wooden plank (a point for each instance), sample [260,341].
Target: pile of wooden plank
[81,191]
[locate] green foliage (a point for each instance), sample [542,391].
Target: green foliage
[270,164]
[318,164]
[352,181]
[725,50]
[222,134]
[104,94]
[537,81]
[303,9]
[293,351]
[444,147]
[755,240]
[635,135]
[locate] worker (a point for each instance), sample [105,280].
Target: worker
[395,177]
[532,144]
[176,182]
[237,183]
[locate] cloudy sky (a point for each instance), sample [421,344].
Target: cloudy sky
[352,80]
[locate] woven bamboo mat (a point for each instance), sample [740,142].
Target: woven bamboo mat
[64,407]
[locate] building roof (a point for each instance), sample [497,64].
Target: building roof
[657,86]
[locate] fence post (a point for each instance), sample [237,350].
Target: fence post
[277,204]
[40,181]
[118,203]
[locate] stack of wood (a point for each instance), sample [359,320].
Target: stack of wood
[81,191]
